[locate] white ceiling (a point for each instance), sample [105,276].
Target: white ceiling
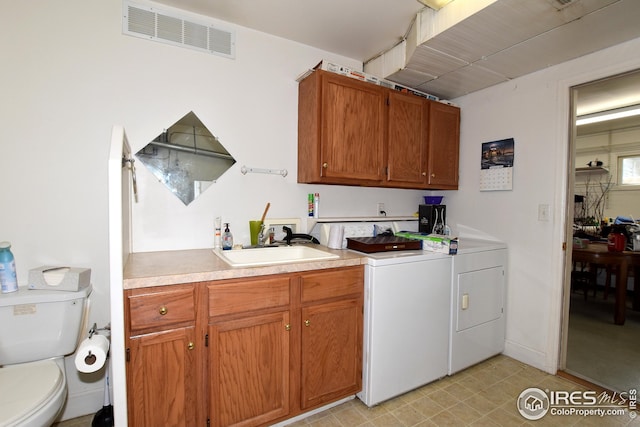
[358,29]
[466,46]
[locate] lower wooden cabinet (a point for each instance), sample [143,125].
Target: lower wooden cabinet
[163,378]
[255,351]
[331,340]
[164,357]
[249,370]
[331,352]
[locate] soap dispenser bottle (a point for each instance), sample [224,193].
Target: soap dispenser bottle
[227,238]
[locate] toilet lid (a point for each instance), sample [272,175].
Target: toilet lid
[25,387]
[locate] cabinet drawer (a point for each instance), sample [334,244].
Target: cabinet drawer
[330,284]
[160,308]
[242,296]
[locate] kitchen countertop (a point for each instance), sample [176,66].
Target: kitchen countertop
[146,269]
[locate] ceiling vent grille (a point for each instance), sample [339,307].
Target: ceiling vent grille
[167,27]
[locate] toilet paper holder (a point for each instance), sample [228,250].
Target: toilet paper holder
[94,329]
[92,353]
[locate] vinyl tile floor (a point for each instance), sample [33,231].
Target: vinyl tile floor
[482,395]
[599,350]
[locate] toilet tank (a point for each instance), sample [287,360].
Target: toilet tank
[40,324]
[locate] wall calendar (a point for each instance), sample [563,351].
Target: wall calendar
[496,165]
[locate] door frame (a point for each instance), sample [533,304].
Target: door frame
[568,90]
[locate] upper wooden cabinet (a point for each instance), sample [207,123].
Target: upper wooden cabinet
[341,130]
[357,133]
[444,146]
[408,142]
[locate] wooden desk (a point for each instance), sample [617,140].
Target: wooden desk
[598,254]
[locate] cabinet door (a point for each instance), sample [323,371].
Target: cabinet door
[331,353]
[444,146]
[352,130]
[249,370]
[162,379]
[407,140]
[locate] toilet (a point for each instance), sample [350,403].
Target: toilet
[37,329]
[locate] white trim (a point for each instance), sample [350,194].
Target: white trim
[313,412]
[84,403]
[555,338]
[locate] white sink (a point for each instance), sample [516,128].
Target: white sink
[269,256]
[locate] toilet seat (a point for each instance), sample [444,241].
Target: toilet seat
[32,394]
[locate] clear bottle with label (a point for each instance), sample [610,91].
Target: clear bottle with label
[8,277]
[217,236]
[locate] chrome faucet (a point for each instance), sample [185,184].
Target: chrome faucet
[264,236]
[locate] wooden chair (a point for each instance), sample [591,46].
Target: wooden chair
[582,278]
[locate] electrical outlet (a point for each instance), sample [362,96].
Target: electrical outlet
[381,210]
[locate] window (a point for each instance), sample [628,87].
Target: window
[629,170]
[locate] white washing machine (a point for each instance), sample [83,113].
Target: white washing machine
[406,317]
[406,314]
[478,298]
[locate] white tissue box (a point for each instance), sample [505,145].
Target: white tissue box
[59,278]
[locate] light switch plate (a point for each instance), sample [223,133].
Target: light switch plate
[544,212]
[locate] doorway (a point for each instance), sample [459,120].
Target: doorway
[594,348]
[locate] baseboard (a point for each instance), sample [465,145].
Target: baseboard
[313,412]
[527,355]
[84,403]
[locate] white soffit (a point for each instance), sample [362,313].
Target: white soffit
[506,39]
[579,37]
[411,78]
[433,62]
[463,80]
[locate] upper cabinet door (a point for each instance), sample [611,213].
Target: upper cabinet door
[352,131]
[341,130]
[407,140]
[444,146]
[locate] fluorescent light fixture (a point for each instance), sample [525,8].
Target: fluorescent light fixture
[435,4]
[604,116]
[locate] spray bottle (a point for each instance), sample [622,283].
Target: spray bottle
[8,278]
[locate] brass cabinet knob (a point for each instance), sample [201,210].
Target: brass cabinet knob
[287,327]
[433,175]
[163,310]
[325,165]
[424,174]
[191,346]
[307,323]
